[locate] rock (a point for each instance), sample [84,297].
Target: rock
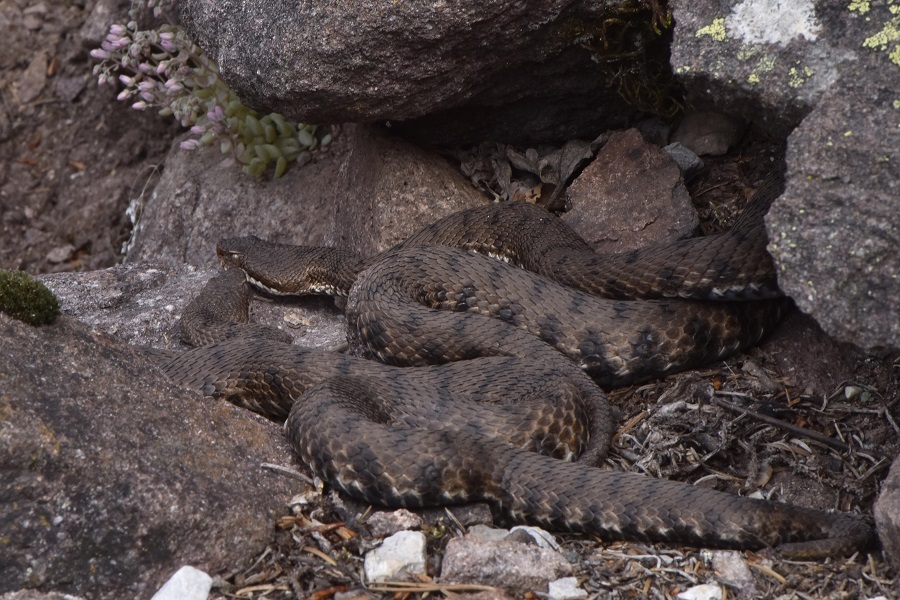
[384,523]
[61,254]
[141,304]
[389,189]
[704,591]
[35,595]
[31,82]
[354,594]
[689,163]
[367,192]
[96,26]
[187,583]
[771,61]
[834,233]
[486,533]
[401,556]
[887,515]
[565,589]
[114,477]
[732,567]
[516,567]
[512,72]
[535,535]
[709,133]
[630,196]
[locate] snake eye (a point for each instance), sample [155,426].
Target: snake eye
[229,257]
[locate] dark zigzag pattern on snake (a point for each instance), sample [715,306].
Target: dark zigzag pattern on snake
[414,437]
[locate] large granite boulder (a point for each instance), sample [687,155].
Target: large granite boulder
[515,72]
[366,193]
[112,477]
[834,232]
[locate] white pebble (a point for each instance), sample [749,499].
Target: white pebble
[565,589]
[187,583]
[399,556]
[706,591]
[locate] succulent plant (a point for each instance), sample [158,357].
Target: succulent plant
[163,68]
[27,299]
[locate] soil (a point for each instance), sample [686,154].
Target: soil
[72,158]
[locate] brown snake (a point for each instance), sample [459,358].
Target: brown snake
[456,432]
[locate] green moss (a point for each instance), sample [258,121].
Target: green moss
[629,41]
[23,298]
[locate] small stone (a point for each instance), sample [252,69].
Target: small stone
[705,591]
[388,522]
[632,195]
[398,557]
[709,133]
[486,533]
[732,567]
[516,567]
[689,163]
[60,254]
[31,82]
[887,514]
[565,589]
[187,583]
[544,539]
[354,594]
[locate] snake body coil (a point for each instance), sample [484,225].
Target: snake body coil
[522,353]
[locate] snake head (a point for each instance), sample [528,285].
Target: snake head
[232,252]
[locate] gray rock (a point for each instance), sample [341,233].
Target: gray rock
[565,588]
[732,567]
[401,556]
[516,567]
[709,133]
[384,522]
[704,591]
[35,595]
[769,61]
[835,235]
[887,515]
[630,196]
[141,304]
[513,72]
[689,163]
[187,583]
[367,192]
[114,477]
[834,231]
[103,15]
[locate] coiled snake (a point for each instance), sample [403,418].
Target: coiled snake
[523,350]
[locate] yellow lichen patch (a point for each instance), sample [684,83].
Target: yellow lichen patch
[766,64]
[889,33]
[747,51]
[797,76]
[715,30]
[860,6]
[885,40]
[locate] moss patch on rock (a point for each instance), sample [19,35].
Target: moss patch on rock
[24,298]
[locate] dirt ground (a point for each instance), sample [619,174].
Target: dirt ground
[71,159]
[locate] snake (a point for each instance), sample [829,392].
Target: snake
[514,326]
